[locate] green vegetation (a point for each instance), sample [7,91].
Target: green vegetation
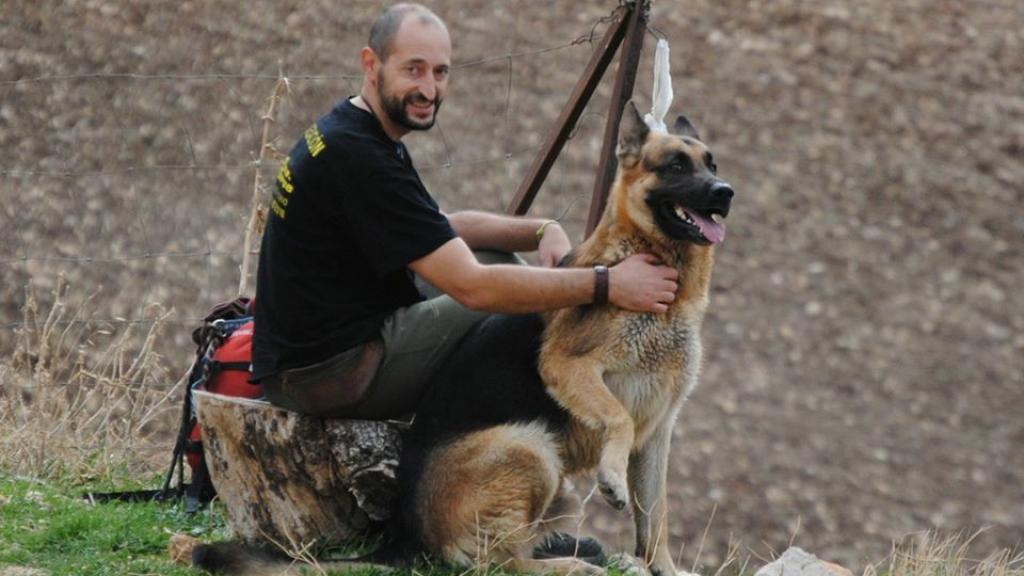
[47,528]
[104,421]
[50,528]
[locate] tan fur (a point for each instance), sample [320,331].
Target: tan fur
[622,377]
[487,492]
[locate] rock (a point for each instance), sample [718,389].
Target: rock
[797,562]
[628,565]
[180,548]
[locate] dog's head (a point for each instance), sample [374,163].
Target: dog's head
[672,190]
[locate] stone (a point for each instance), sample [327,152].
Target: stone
[180,548]
[797,562]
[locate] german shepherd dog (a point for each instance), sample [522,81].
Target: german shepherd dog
[527,401]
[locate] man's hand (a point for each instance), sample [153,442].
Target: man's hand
[639,284]
[554,245]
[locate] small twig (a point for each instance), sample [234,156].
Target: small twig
[707,528]
[255,221]
[792,537]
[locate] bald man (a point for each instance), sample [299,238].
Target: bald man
[364,286]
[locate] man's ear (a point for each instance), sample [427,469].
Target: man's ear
[683,127]
[632,134]
[369,62]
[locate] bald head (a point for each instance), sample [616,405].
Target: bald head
[385,28]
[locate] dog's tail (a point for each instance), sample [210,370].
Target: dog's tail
[231,559]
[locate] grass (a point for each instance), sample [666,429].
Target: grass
[83,402]
[49,527]
[929,554]
[92,410]
[81,408]
[97,410]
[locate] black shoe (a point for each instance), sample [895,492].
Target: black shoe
[561,545]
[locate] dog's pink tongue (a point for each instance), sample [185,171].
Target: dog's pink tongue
[711,230]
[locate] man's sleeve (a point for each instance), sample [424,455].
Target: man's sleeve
[393,219]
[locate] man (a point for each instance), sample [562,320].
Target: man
[342,329]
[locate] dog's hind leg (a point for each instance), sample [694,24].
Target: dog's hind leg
[578,386]
[483,497]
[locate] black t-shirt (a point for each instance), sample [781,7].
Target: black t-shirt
[348,215]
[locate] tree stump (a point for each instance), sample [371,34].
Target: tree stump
[292,479]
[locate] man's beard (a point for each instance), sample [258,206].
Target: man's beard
[395,107]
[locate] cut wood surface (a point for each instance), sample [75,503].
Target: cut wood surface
[292,479]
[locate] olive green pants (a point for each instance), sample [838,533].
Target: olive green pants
[384,379]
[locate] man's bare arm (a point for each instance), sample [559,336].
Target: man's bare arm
[483,230]
[486,231]
[634,284]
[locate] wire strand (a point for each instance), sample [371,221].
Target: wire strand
[97,76]
[108,255]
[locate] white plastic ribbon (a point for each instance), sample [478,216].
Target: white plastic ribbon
[662,94]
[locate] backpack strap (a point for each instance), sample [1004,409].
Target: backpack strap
[216,367]
[196,492]
[129,496]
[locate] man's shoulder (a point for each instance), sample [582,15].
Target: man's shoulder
[351,132]
[347,123]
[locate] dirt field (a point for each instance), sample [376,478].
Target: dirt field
[864,372]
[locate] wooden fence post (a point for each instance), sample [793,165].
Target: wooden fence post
[629,23]
[625,79]
[571,113]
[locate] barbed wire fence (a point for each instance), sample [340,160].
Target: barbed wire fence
[202,267]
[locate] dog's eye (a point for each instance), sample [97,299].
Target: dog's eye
[713,167]
[677,165]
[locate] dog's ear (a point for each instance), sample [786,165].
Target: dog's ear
[683,127]
[632,133]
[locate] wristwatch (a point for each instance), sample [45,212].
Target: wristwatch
[600,284]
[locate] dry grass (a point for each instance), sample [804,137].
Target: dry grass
[931,554]
[75,408]
[80,402]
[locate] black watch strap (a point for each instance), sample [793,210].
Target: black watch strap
[600,284]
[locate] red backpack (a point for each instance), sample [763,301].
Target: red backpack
[223,365]
[228,372]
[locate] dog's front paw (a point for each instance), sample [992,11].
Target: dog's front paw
[628,565]
[613,487]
